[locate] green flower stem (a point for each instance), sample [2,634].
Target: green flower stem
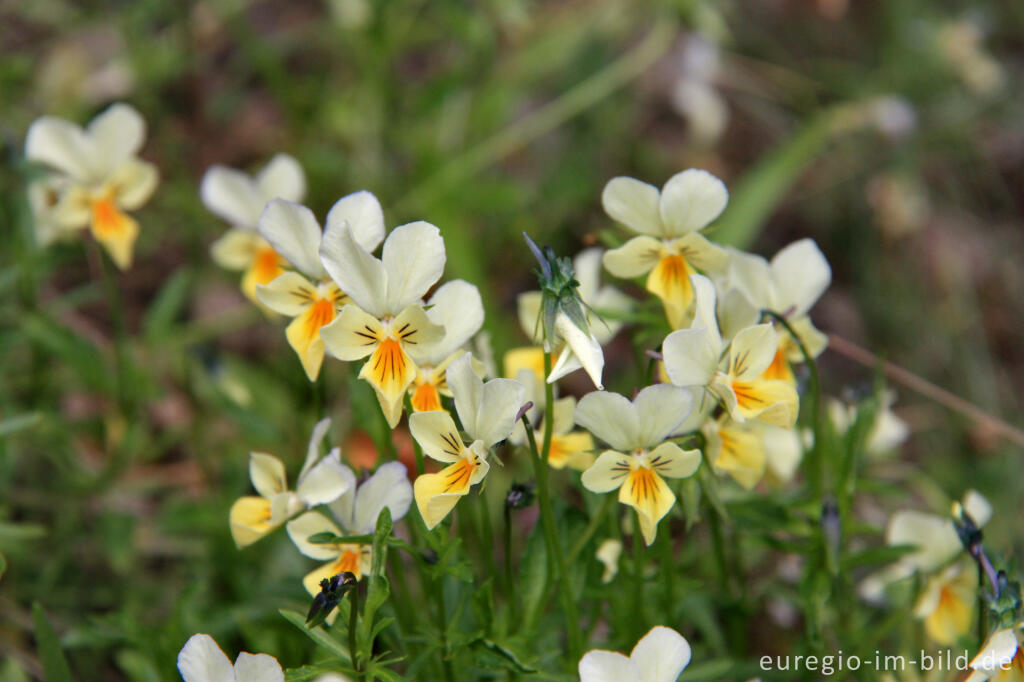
[507,588]
[547,517]
[115,305]
[668,572]
[353,621]
[638,580]
[595,521]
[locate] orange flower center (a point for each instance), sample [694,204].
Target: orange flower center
[266,265]
[779,369]
[106,219]
[320,314]
[426,398]
[348,560]
[459,474]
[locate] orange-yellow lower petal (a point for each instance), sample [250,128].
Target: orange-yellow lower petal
[265,267]
[437,494]
[645,491]
[670,281]
[772,401]
[779,369]
[742,456]
[303,335]
[115,230]
[389,370]
[572,450]
[952,617]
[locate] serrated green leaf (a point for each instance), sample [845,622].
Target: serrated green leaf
[55,665]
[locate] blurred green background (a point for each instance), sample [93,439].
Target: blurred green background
[890,131]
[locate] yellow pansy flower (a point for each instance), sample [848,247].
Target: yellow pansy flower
[934,537]
[101,176]
[320,481]
[239,199]
[670,247]
[789,285]
[639,459]
[386,320]
[487,413]
[731,371]
[356,513]
[307,294]
[735,448]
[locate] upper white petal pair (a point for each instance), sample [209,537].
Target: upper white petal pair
[239,198]
[411,261]
[660,656]
[357,509]
[294,232]
[796,277]
[201,660]
[688,202]
[91,155]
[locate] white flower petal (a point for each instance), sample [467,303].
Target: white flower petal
[289,294]
[353,269]
[388,487]
[660,409]
[752,276]
[691,200]
[316,439]
[457,307]
[636,257]
[691,359]
[258,668]
[607,666]
[496,414]
[311,523]
[528,309]
[467,390]
[232,196]
[437,434]
[343,509]
[413,258]
[294,233]
[62,145]
[611,417]
[117,135]
[365,218]
[584,346]
[282,178]
[634,204]
[267,474]
[201,660]
[752,351]
[325,482]
[998,651]
[801,274]
[979,509]
[661,655]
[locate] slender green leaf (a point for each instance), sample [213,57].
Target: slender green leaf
[50,654]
